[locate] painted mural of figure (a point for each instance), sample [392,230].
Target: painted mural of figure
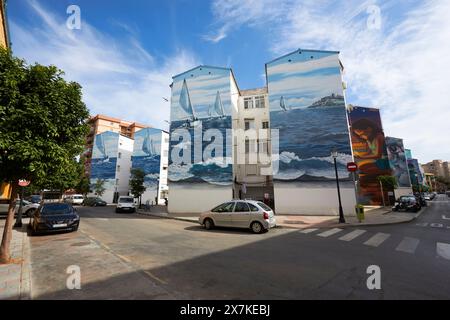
[372,158]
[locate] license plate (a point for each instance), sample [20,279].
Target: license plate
[60,225]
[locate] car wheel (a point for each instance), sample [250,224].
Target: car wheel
[257,227]
[209,224]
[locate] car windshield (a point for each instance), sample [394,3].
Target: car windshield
[56,209]
[126,200]
[264,206]
[78,197]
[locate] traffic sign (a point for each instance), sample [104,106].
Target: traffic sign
[24,183]
[352,167]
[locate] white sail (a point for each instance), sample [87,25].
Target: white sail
[100,143]
[282,104]
[218,106]
[185,100]
[148,146]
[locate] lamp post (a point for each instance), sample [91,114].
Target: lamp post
[334,154]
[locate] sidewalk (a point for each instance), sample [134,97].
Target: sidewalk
[15,278]
[373,216]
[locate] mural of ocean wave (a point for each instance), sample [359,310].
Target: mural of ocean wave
[103,168]
[313,134]
[209,172]
[291,167]
[151,166]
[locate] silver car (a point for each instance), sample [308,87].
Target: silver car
[240,214]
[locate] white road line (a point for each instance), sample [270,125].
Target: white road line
[436,225]
[422,224]
[377,239]
[443,250]
[408,245]
[445,217]
[329,232]
[309,230]
[352,235]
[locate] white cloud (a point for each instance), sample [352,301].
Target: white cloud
[119,79]
[402,67]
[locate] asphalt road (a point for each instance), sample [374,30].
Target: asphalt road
[130,256]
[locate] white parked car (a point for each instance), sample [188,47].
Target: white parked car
[27,208]
[125,204]
[75,199]
[240,214]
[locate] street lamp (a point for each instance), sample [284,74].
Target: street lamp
[334,154]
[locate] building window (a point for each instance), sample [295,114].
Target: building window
[264,146]
[248,103]
[251,146]
[117,181]
[259,102]
[265,124]
[251,170]
[249,124]
[119,155]
[118,168]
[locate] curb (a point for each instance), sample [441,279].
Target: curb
[346,225]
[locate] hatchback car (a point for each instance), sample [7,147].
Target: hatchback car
[94,202]
[54,217]
[125,204]
[75,199]
[240,214]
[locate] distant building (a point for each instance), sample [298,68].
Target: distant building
[438,168]
[150,153]
[4,35]
[101,123]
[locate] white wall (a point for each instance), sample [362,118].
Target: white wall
[196,199]
[126,150]
[163,164]
[313,201]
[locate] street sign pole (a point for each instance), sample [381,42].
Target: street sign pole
[22,184]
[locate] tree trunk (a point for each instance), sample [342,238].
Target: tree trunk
[7,232]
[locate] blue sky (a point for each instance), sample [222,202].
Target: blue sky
[396,53]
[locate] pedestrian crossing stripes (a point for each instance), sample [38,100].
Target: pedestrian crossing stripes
[352,235]
[329,232]
[309,230]
[377,239]
[407,245]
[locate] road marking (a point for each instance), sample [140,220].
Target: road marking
[123,257]
[102,219]
[443,250]
[445,217]
[329,232]
[155,277]
[422,224]
[352,235]
[436,225]
[377,239]
[408,245]
[309,230]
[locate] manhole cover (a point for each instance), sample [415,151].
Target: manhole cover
[80,244]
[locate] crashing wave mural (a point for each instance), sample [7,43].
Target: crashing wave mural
[200,106]
[307,106]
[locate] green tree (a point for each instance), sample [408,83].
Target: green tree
[99,187]
[389,183]
[137,187]
[43,124]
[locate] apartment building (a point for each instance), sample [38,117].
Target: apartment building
[303,110]
[101,123]
[438,168]
[4,35]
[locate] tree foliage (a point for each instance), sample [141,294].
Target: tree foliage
[99,187]
[43,124]
[388,182]
[137,187]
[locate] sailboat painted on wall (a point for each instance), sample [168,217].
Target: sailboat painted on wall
[100,144]
[186,105]
[148,147]
[283,104]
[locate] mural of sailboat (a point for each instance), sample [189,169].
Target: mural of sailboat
[186,105]
[149,147]
[100,143]
[283,104]
[218,106]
